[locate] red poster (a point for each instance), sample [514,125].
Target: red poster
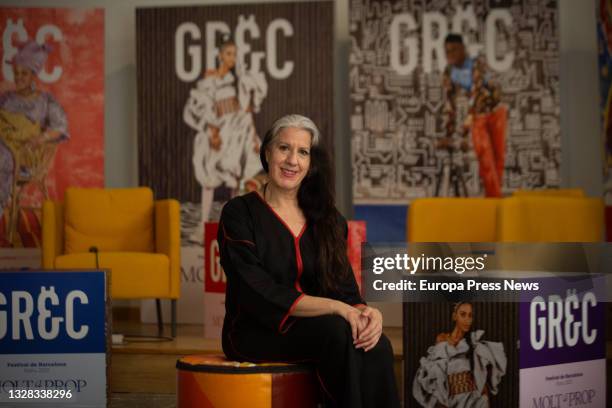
[51,112]
[356,236]
[214,277]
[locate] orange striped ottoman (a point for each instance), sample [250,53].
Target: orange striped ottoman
[213,381]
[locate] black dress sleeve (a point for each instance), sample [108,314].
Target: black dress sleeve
[348,291]
[256,291]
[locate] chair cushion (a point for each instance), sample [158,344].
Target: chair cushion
[133,274]
[109,219]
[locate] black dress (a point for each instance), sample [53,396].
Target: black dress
[268,270]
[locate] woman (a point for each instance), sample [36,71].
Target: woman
[31,124]
[291,294]
[460,370]
[226,147]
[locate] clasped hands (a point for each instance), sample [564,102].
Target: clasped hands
[366,326]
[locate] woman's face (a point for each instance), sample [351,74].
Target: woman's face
[23,77]
[227,56]
[289,158]
[463,317]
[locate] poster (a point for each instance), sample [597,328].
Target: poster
[563,346]
[211,81]
[451,98]
[54,339]
[51,113]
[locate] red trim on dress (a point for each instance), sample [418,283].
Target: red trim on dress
[282,323]
[228,238]
[280,219]
[298,259]
[296,245]
[323,385]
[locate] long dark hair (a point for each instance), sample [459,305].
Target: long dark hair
[468,335]
[227,41]
[316,199]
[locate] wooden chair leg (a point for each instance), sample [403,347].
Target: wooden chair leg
[160,322]
[173,307]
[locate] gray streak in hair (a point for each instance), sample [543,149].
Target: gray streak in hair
[299,122]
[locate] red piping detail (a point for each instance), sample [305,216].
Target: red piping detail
[280,219]
[298,260]
[323,385]
[293,305]
[296,244]
[228,238]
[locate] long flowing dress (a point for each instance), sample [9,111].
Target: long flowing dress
[269,269]
[445,376]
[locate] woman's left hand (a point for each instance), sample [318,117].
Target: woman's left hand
[368,338]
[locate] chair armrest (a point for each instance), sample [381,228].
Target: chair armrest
[52,232]
[168,239]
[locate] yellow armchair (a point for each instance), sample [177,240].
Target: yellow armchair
[123,230]
[551,219]
[452,220]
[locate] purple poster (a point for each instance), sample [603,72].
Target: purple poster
[562,344]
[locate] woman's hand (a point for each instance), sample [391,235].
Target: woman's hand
[369,336]
[354,318]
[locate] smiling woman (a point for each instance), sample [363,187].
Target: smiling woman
[291,294]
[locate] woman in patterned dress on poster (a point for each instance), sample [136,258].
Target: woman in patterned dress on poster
[461,370]
[226,147]
[32,122]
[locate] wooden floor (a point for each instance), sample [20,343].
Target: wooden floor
[149,367]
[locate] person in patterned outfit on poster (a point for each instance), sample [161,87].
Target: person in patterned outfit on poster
[486,118]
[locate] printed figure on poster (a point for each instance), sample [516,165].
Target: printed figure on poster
[486,119]
[32,124]
[226,147]
[51,113]
[461,369]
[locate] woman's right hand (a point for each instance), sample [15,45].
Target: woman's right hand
[354,318]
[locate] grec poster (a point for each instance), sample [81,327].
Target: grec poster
[211,81]
[453,98]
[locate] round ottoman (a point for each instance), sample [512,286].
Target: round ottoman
[213,381]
